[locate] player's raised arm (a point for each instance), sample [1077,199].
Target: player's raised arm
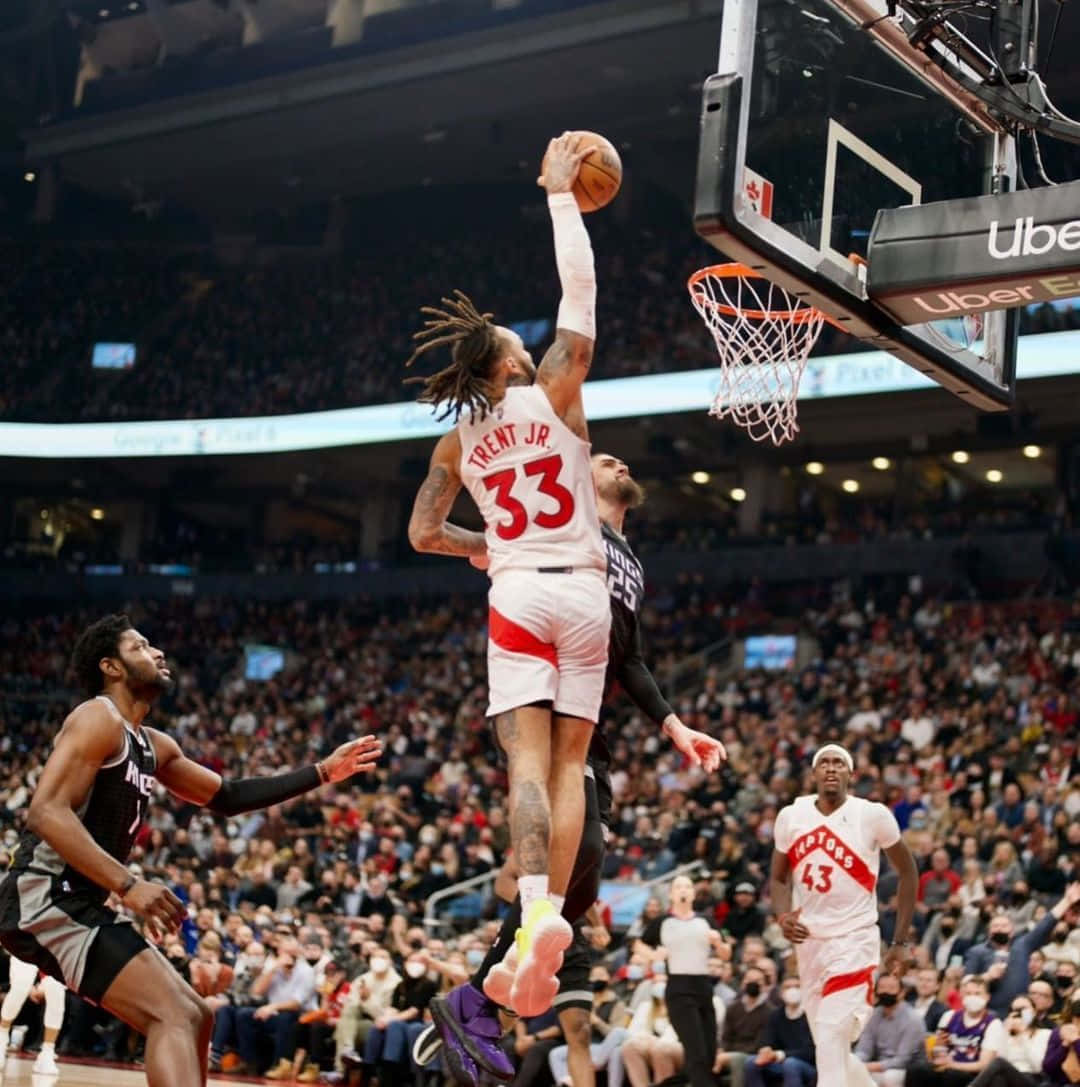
[429,530]
[567,362]
[197,784]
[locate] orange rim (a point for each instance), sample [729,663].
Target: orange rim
[800,316]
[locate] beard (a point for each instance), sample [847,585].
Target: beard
[626,492]
[147,683]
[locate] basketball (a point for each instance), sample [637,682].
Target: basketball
[600,175]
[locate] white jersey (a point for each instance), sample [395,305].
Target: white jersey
[531,477]
[834,861]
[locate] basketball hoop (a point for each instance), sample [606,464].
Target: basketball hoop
[763,335]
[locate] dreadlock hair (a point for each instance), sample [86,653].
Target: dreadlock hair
[467,382]
[100,639]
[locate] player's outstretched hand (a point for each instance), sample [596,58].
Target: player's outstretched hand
[355,757]
[564,157]
[700,748]
[792,928]
[156,905]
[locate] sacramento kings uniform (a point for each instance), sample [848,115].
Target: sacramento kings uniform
[626,669]
[50,914]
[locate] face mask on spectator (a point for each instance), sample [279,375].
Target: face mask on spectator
[415,969]
[1019,898]
[752,989]
[887,1000]
[379,965]
[947,928]
[999,938]
[1027,1017]
[635,972]
[599,985]
[437,869]
[474,956]
[792,996]
[974,1005]
[1064,982]
[1061,935]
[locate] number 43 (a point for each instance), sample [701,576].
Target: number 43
[824,876]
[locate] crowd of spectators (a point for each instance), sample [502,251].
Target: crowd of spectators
[306,923]
[313,331]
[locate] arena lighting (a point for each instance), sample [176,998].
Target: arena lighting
[97,514]
[29,175]
[815,468]
[882,464]
[850,486]
[960,457]
[737,494]
[993,475]
[700,477]
[1032,451]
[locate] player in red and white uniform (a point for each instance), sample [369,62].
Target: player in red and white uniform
[522,451]
[824,879]
[24,979]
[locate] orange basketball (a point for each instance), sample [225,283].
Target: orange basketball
[600,175]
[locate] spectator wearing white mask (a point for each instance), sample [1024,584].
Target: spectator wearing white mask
[370,998]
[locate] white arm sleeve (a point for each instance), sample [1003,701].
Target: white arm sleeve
[574,259]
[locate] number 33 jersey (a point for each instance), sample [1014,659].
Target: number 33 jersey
[834,861]
[531,478]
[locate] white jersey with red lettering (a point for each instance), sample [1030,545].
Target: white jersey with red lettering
[834,861]
[531,477]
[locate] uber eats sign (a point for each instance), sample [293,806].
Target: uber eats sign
[969,256]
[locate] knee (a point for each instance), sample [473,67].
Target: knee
[190,1012]
[576,1030]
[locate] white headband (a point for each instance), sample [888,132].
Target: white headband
[834,749]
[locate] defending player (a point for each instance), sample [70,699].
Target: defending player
[825,865]
[523,455]
[86,812]
[467,1019]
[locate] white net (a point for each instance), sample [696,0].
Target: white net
[763,335]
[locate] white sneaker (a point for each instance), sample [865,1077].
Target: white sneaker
[46,1065]
[17,1036]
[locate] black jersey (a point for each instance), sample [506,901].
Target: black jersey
[112,813]
[626,663]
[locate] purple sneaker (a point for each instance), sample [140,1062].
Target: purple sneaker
[468,1021]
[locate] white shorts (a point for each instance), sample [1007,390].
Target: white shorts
[837,979]
[548,641]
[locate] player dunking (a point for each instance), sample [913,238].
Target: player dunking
[825,864]
[86,812]
[523,455]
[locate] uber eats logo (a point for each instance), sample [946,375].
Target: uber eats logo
[1031,239]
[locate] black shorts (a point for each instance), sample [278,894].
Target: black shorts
[72,937]
[574,988]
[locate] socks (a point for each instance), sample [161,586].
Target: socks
[5,1039]
[558,901]
[531,888]
[48,1048]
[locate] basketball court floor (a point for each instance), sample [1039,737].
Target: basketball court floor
[76,1074]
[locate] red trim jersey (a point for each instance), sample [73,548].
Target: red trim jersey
[834,861]
[531,478]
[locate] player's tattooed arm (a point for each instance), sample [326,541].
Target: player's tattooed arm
[429,530]
[562,370]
